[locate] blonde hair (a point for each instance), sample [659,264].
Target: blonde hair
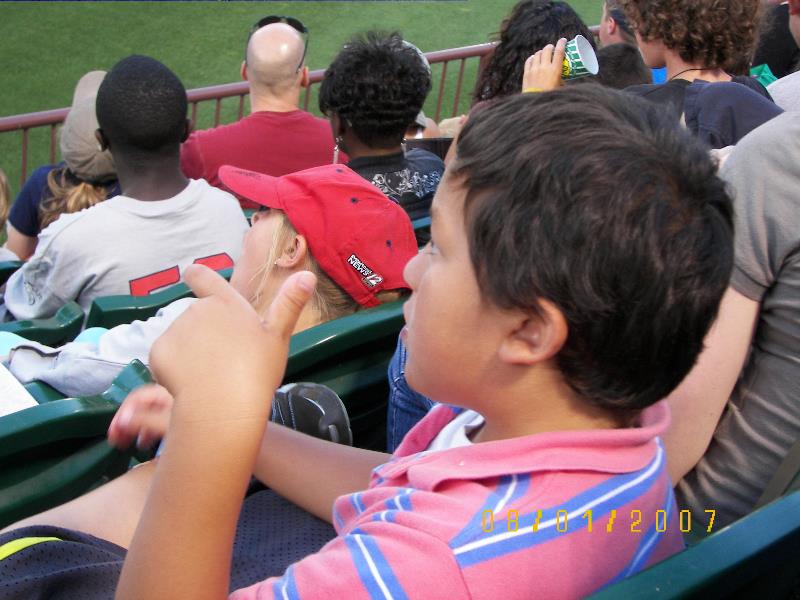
[69,195]
[329,301]
[5,199]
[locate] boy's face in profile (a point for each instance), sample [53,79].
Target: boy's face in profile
[452,336]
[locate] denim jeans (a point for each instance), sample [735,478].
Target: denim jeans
[406,407]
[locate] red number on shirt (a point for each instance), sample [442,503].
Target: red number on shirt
[216,262]
[142,286]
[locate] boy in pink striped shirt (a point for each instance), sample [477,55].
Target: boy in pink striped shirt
[579,250]
[580,247]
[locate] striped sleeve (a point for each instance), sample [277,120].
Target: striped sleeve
[376,561]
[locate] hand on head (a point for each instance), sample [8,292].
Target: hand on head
[543,70]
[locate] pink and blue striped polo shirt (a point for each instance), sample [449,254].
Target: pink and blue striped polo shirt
[552,515]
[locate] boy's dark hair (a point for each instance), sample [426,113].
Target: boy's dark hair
[597,202]
[378,84]
[141,107]
[621,65]
[531,25]
[718,34]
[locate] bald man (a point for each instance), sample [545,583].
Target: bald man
[277,137]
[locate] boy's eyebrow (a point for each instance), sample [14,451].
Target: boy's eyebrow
[434,213]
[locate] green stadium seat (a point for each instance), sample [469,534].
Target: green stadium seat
[111,311]
[55,331]
[55,451]
[351,356]
[7,269]
[758,556]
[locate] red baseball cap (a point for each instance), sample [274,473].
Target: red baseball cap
[359,237]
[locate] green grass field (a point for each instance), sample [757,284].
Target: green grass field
[47,46]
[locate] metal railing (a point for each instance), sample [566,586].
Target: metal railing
[51,119]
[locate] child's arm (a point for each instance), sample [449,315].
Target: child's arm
[308,471]
[220,361]
[311,472]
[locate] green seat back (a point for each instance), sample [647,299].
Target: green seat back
[110,311]
[52,452]
[351,356]
[8,268]
[54,331]
[756,557]
[422,230]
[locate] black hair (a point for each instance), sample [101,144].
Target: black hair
[595,201]
[377,84]
[621,65]
[141,107]
[531,25]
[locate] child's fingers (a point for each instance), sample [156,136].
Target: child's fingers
[147,406]
[289,303]
[560,51]
[546,54]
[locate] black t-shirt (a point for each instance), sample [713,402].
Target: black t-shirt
[719,114]
[409,178]
[776,46]
[672,93]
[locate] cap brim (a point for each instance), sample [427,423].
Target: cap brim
[261,189]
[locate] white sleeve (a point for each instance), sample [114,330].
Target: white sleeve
[81,369]
[52,277]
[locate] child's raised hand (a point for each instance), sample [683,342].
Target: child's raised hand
[143,417]
[219,359]
[543,70]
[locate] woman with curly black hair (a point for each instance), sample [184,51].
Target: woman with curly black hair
[372,92]
[701,42]
[532,25]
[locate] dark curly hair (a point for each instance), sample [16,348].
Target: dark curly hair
[718,34]
[378,84]
[531,25]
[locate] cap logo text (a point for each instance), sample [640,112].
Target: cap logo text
[369,277]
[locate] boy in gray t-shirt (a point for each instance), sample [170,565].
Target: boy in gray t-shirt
[744,390]
[162,222]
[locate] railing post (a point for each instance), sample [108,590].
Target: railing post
[24,171]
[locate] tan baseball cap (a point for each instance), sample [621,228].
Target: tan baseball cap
[79,147]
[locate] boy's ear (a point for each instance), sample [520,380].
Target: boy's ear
[611,25]
[794,7]
[537,338]
[305,81]
[188,127]
[294,255]
[101,139]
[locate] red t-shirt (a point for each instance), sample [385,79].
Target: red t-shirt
[274,143]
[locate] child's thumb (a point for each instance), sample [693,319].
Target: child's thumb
[292,297]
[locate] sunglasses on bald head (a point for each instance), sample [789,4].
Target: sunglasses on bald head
[295,24]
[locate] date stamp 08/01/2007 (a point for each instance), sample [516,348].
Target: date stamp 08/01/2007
[632,522]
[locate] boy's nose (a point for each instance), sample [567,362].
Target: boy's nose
[411,271]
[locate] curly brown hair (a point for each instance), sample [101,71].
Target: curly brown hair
[716,33]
